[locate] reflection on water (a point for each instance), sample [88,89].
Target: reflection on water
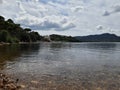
[91,66]
[9,53]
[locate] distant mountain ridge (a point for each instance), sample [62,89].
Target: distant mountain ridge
[105,37]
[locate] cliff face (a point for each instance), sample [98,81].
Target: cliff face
[106,37]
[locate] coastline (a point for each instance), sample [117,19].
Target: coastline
[3,43]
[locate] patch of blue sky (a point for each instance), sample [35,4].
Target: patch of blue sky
[55,1]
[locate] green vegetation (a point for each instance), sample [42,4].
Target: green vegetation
[55,37]
[11,32]
[14,33]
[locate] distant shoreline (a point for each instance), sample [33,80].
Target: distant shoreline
[2,44]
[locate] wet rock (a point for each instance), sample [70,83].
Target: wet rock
[1,85]
[50,82]
[11,86]
[21,86]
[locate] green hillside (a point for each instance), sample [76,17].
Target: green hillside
[13,33]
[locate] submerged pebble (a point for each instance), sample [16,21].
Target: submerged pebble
[34,82]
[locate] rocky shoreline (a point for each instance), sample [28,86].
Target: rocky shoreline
[7,83]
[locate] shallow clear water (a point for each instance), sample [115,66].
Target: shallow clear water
[79,66]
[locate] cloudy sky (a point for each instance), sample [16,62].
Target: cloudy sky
[66,17]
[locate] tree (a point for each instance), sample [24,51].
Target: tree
[10,21]
[4,36]
[27,30]
[2,18]
[12,32]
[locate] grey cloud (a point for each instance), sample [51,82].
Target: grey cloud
[115,9]
[99,27]
[106,13]
[77,9]
[47,24]
[68,26]
[1,1]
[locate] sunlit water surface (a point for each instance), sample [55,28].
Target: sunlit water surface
[63,66]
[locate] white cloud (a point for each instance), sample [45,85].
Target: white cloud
[78,17]
[58,23]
